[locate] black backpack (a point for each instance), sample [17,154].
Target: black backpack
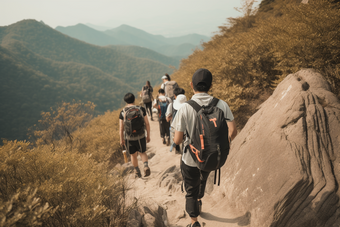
[209,142]
[134,124]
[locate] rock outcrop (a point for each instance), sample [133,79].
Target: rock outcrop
[148,215]
[283,168]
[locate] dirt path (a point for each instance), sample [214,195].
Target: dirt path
[168,192]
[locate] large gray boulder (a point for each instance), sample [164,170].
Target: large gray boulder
[284,165]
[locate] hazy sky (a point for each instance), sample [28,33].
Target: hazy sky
[169,18]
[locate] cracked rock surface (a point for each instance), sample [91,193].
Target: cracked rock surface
[283,167]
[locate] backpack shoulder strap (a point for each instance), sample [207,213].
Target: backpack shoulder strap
[213,102]
[194,105]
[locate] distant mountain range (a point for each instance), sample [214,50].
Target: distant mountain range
[40,67]
[177,47]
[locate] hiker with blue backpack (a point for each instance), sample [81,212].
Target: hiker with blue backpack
[132,125]
[209,126]
[162,104]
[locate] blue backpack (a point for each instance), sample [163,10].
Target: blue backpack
[163,106]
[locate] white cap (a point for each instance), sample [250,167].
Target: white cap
[164,77]
[179,101]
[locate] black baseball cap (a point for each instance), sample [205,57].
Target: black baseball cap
[202,76]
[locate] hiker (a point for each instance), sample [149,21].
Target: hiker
[162,104]
[171,111]
[168,86]
[147,98]
[187,122]
[132,124]
[173,107]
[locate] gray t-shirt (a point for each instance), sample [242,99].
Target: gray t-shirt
[169,110]
[185,119]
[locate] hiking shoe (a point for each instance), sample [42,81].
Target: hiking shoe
[146,171]
[196,224]
[164,141]
[137,174]
[199,205]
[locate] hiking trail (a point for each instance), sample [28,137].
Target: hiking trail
[163,187]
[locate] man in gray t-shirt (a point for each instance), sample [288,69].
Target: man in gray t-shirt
[195,179]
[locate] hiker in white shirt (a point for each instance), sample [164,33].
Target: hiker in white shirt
[166,79]
[194,179]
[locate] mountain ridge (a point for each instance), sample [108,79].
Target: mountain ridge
[129,35]
[41,67]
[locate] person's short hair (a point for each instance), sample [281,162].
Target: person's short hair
[161,91]
[202,80]
[202,87]
[179,91]
[129,98]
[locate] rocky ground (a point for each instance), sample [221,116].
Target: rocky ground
[162,189]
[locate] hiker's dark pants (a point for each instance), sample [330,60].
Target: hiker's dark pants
[148,107]
[195,181]
[164,127]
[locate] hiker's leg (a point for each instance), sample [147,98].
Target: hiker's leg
[162,127]
[191,179]
[148,108]
[134,159]
[204,177]
[144,157]
[132,149]
[142,150]
[167,128]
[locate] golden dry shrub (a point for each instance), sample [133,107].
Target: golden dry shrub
[62,121]
[253,53]
[100,138]
[72,189]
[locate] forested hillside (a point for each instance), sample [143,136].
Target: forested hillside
[252,54]
[41,67]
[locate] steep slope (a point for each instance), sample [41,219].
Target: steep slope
[89,35]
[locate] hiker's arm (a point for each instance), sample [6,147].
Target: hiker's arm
[121,132]
[178,138]
[147,125]
[232,129]
[155,104]
[168,113]
[168,118]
